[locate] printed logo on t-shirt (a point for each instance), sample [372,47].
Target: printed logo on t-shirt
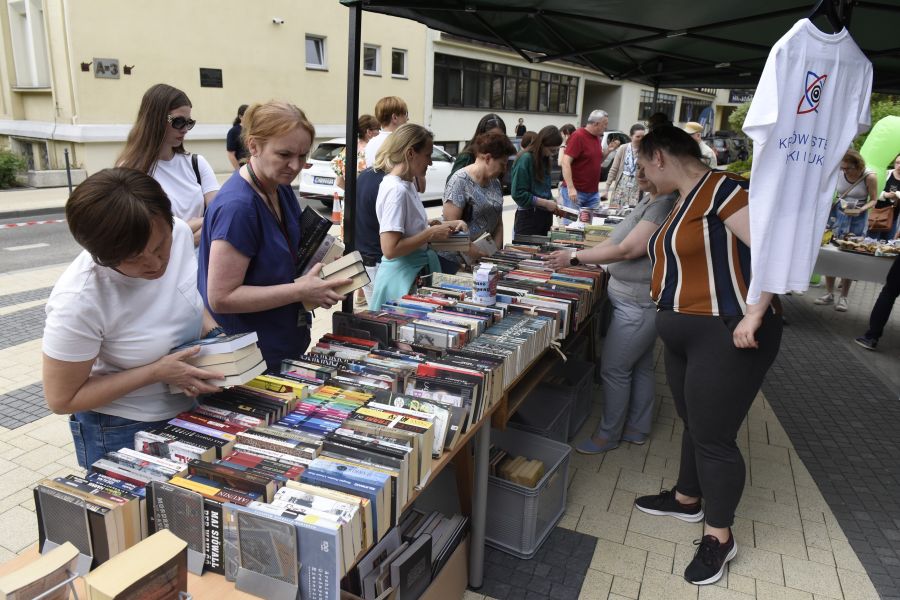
[813,94]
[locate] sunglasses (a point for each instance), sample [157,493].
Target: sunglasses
[181,122]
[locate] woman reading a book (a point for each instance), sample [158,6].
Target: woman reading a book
[627,368]
[116,312]
[251,236]
[403,225]
[530,184]
[155,146]
[718,347]
[474,193]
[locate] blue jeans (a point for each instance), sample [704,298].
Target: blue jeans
[582,200]
[95,434]
[844,223]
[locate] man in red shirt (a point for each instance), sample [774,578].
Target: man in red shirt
[581,163]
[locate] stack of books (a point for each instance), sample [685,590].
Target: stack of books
[517,469]
[236,357]
[314,246]
[349,266]
[409,557]
[457,242]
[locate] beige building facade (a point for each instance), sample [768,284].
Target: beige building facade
[72,73]
[286,49]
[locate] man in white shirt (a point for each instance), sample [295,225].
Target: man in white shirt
[696,131]
[391,112]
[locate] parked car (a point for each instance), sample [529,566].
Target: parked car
[728,147]
[317,178]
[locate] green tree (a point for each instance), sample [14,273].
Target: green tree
[10,165]
[736,118]
[882,105]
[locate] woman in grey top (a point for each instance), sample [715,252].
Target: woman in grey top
[474,194]
[627,369]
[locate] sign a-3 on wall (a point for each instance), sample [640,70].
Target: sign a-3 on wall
[106,68]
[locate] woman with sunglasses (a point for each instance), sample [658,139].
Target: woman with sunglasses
[489,123]
[248,249]
[155,146]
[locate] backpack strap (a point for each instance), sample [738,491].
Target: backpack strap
[195,162]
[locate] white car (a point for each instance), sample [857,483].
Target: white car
[317,177]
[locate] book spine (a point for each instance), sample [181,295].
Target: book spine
[213,560]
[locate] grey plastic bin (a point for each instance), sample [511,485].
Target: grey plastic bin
[519,518]
[545,412]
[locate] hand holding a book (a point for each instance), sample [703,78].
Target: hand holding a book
[313,291]
[175,370]
[560,259]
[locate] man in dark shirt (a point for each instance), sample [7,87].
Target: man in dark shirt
[368,239]
[520,128]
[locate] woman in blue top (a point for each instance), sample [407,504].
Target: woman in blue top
[530,184]
[251,234]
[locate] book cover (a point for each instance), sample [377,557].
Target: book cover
[219,345]
[411,571]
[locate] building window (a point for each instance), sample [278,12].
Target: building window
[29,43]
[371,59]
[665,103]
[315,52]
[692,109]
[470,83]
[398,63]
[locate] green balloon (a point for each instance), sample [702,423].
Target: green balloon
[882,147]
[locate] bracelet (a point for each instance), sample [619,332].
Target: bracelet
[214,332]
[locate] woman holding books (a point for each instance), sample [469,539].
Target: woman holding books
[155,146]
[474,193]
[530,184]
[116,312]
[251,235]
[627,367]
[718,347]
[404,228]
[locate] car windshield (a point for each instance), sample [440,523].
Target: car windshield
[326,151]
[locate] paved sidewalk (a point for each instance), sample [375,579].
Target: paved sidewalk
[793,543]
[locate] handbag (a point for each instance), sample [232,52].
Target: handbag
[881,219]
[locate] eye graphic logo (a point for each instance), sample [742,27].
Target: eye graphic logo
[813,94]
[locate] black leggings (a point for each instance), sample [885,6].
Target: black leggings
[714,384]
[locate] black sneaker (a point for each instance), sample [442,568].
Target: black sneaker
[665,503]
[866,342]
[710,560]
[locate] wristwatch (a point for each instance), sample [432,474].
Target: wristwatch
[573,260]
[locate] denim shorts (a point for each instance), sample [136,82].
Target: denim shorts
[95,434]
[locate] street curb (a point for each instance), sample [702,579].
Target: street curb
[32,212]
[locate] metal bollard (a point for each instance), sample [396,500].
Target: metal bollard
[68,170]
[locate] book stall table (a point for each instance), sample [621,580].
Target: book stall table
[472,474]
[852,265]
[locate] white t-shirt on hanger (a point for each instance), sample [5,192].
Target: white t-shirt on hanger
[811,101]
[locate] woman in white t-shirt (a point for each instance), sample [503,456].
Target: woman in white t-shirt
[404,228]
[116,312]
[155,146]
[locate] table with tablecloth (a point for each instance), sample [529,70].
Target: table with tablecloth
[861,267]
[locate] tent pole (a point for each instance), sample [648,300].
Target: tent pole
[349,216]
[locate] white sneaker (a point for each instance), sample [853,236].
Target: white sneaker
[798,292]
[841,305]
[826,299]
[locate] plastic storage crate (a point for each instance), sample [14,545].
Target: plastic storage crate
[574,380]
[519,519]
[546,413]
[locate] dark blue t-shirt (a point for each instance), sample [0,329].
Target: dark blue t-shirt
[240,217]
[368,240]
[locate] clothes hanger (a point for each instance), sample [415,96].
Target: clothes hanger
[830,9]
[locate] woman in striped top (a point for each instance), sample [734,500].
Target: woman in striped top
[717,347]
